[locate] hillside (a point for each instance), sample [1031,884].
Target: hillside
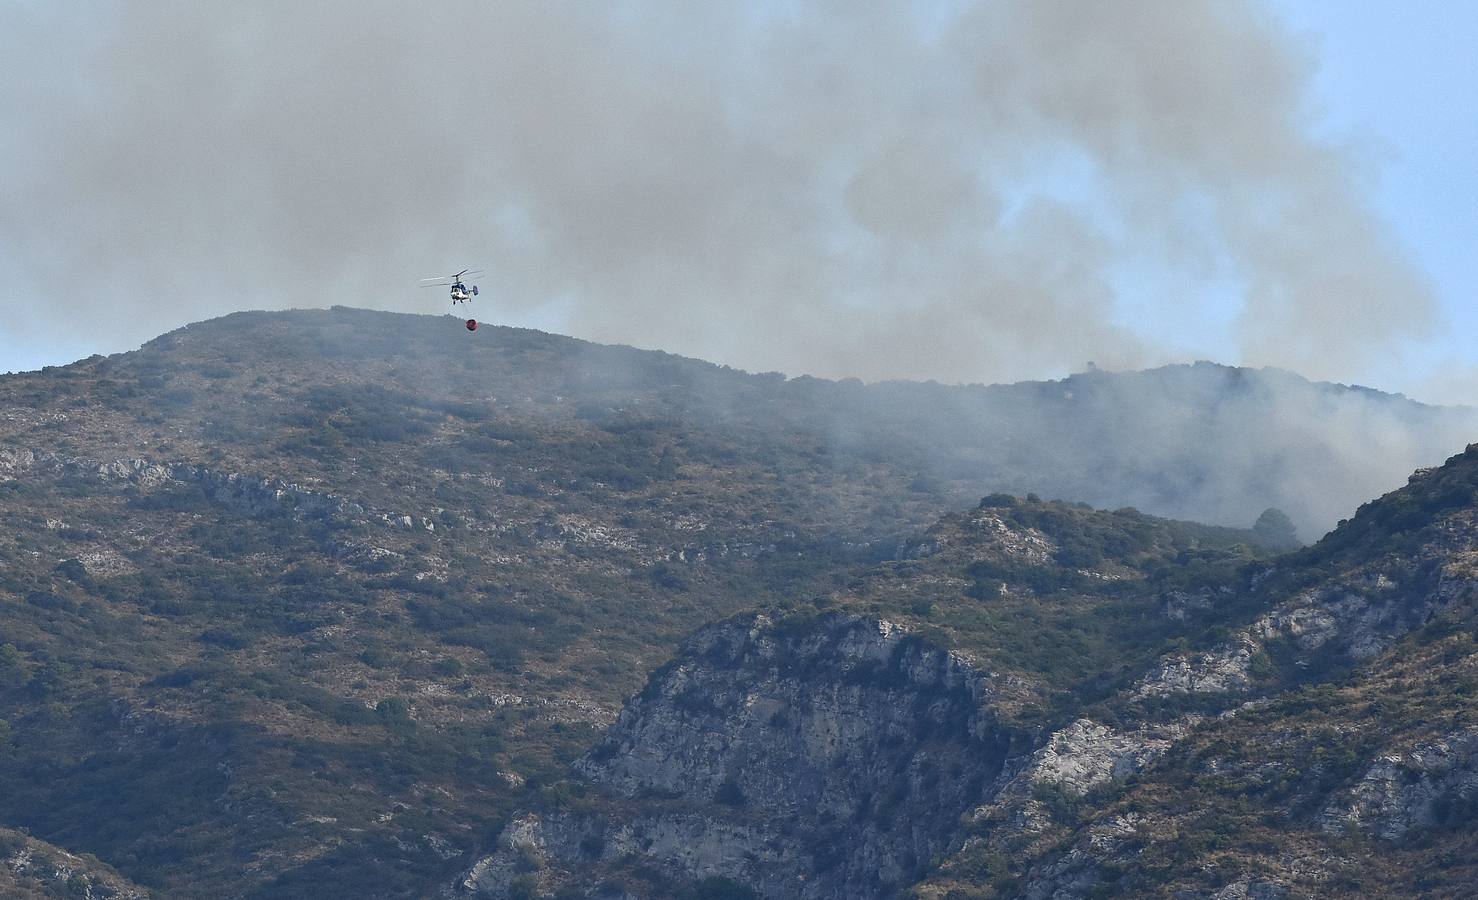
[317,603]
[1342,761]
[341,397]
[1306,728]
[35,870]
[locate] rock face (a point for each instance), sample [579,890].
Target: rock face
[1085,754]
[1434,784]
[1215,672]
[1349,620]
[241,493]
[837,757]
[827,761]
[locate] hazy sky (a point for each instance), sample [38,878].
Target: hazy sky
[962,191]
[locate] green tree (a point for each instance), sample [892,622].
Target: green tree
[1275,528]
[12,667]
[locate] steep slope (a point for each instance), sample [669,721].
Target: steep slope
[817,762]
[835,753]
[1312,734]
[258,638]
[224,684]
[1342,761]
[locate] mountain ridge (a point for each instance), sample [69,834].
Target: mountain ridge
[317,604]
[1198,441]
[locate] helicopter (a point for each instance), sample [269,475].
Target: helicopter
[460,292]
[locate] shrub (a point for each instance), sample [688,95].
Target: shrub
[226,638]
[395,714]
[716,887]
[524,887]
[730,794]
[998,501]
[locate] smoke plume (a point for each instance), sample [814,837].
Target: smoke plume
[960,191]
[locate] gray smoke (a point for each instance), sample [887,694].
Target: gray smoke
[961,191]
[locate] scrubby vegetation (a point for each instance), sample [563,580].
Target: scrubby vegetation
[437,573]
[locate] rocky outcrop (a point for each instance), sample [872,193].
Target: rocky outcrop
[1085,754]
[1181,606]
[13,460]
[1351,620]
[988,534]
[1360,616]
[30,867]
[1215,672]
[1432,785]
[254,496]
[244,494]
[1075,760]
[833,759]
[1251,889]
[827,760]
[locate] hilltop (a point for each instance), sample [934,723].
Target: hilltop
[323,396]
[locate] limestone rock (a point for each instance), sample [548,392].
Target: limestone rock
[826,761]
[1086,754]
[1433,784]
[1217,671]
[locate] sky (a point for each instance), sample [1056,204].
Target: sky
[969,192]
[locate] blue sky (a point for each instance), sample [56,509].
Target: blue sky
[1399,77]
[692,167]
